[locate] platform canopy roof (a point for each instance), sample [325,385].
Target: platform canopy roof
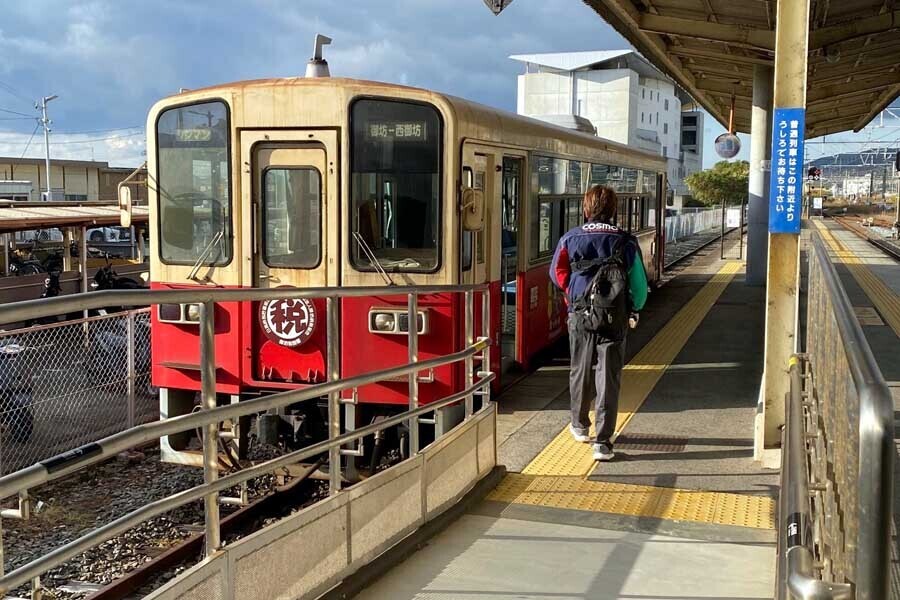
[710,47]
[24,216]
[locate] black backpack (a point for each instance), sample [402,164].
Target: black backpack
[603,306]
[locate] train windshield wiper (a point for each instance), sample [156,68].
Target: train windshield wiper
[373,260]
[206,251]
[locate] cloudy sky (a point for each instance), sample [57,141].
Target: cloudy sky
[110,60]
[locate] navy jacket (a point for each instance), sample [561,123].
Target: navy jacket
[597,240]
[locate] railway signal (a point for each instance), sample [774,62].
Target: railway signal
[814,174]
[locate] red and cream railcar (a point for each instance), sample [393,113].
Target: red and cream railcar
[314,182]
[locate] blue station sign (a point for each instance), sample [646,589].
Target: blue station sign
[786,185]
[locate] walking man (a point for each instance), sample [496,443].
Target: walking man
[600,269]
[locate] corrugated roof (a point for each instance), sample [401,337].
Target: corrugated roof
[711,47]
[19,216]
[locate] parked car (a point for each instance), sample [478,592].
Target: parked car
[109,235]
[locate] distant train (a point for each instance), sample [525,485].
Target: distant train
[314,182]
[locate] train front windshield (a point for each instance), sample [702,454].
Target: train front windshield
[193,185]
[395,185]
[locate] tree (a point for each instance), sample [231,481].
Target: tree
[725,182]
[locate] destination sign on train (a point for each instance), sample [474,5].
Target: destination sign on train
[412,131]
[197,134]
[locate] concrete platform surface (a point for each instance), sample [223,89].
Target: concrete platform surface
[485,558]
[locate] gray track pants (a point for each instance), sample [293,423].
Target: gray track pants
[600,383]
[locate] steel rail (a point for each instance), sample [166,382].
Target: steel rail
[68,462]
[800,578]
[25,310]
[29,571]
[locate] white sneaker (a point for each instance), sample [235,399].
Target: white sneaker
[603,452]
[579,437]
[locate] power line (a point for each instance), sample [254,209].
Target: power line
[113,137]
[101,130]
[13,112]
[11,90]
[29,141]
[17,118]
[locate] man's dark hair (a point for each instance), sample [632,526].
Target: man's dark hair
[601,204]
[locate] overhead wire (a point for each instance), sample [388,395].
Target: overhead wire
[113,137]
[101,130]
[29,141]
[13,112]
[12,91]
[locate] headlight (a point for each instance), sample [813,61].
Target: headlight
[383,322]
[170,312]
[395,321]
[192,312]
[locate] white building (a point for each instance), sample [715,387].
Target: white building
[624,97]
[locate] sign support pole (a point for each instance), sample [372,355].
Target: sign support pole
[791,52]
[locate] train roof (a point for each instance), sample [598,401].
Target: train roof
[480,121]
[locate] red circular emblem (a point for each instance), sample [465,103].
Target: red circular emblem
[288,322]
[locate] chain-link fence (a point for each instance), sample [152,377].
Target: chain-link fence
[69,383]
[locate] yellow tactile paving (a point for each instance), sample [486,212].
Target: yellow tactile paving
[557,477]
[882,296]
[566,457]
[636,500]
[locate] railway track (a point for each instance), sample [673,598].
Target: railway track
[700,245]
[300,492]
[891,249]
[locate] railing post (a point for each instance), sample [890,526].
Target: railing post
[486,334]
[334,398]
[412,310]
[211,430]
[470,339]
[130,376]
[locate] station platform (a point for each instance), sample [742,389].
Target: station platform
[682,512]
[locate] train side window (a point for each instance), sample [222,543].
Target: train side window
[622,213]
[544,228]
[466,249]
[291,217]
[479,235]
[574,213]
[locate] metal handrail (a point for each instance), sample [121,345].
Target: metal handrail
[874,485]
[209,419]
[800,579]
[89,454]
[26,310]
[35,568]
[876,435]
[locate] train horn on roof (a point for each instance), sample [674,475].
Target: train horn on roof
[318,66]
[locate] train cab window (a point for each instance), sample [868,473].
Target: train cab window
[291,217]
[194,185]
[395,185]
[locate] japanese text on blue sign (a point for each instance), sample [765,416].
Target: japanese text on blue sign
[786,185]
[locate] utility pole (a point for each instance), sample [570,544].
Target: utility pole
[46,123]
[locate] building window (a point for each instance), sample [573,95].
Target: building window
[665,150]
[689,121]
[657,118]
[643,93]
[666,105]
[76,197]
[642,117]
[665,128]
[689,138]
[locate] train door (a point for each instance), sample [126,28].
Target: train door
[510,201]
[292,239]
[479,251]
